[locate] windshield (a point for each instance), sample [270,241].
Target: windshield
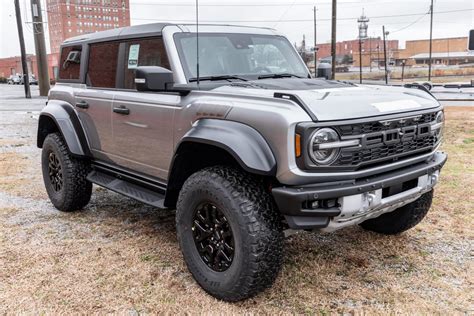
[245,55]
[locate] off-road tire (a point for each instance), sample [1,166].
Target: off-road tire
[256,227]
[76,191]
[402,219]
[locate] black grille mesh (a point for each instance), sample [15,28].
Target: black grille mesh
[371,127]
[380,151]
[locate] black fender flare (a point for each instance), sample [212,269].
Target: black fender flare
[68,124]
[248,147]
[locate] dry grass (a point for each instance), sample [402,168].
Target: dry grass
[119,256]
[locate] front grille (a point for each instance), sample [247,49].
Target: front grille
[383,141]
[372,127]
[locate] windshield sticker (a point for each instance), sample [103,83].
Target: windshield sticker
[396,105]
[133,56]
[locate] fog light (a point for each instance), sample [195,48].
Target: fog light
[315,204]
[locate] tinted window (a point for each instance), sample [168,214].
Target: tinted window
[102,67]
[69,70]
[143,52]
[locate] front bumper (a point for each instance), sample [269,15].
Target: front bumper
[334,205]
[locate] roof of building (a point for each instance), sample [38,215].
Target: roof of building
[446,55]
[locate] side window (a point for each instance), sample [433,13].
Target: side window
[70,63]
[102,67]
[143,52]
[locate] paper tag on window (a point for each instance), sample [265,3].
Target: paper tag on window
[133,56]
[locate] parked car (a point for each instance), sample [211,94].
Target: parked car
[14,79]
[244,147]
[32,80]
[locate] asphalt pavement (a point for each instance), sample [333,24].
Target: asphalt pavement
[12,98]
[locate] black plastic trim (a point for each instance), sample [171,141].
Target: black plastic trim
[157,185]
[241,141]
[77,128]
[297,100]
[290,199]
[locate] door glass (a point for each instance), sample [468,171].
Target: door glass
[69,70]
[144,52]
[102,67]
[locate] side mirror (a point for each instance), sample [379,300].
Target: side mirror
[153,78]
[74,57]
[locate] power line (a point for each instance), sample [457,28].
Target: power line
[299,20]
[411,24]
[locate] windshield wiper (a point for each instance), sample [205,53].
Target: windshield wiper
[217,78]
[276,76]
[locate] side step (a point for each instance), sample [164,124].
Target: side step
[129,189]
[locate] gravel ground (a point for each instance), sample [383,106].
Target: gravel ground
[120,256]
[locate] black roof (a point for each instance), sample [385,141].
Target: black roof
[144,30]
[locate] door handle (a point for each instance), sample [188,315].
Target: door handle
[82,104]
[121,110]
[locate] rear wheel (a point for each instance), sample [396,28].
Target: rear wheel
[402,219]
[229,232]
[64,176]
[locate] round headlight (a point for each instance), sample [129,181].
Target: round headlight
[323,156]
[440,123]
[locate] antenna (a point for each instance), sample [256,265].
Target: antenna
[197,42]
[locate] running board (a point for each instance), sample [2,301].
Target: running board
[126,188]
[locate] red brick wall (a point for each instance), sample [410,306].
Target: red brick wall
[351,47]
[69,18]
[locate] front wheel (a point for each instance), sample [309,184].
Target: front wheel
[229,232]
[64,175]
[402,219]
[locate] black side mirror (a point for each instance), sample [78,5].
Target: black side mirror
[153,78]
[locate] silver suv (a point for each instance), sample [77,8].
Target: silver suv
[228,128]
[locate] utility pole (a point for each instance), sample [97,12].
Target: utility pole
[315,46]
[431,41]
[24,65]
[333,39]
[40,45]
[360,60]
[385,53]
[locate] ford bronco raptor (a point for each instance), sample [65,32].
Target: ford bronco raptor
[236,136]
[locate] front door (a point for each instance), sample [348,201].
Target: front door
[143,131]
[142,122]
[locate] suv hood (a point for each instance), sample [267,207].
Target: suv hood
[333,100]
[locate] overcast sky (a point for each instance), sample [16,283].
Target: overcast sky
[405,19]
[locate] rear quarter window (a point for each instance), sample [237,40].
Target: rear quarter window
[68,70]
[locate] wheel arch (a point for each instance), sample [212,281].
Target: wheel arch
[59,117]
[217,142]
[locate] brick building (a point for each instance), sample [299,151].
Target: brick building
[447,51]
[12,65]
[352,47]
[69,18]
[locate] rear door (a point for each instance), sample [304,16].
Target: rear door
[94,100]
[142,122]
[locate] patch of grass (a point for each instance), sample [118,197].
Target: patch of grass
[121,257]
